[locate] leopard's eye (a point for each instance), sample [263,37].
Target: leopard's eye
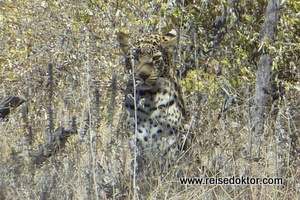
[136,51]
[156,57]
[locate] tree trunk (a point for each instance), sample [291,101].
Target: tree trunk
[263,88]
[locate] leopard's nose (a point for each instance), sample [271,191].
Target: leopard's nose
[144,76]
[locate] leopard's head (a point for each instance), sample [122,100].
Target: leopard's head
[150,54]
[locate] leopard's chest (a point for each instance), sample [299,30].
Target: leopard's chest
[158,114]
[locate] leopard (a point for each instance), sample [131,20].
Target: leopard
[154,102]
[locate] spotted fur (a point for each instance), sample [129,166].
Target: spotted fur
[159,104]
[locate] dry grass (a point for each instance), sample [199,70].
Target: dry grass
[78,38]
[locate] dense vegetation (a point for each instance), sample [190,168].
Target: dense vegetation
[63,57]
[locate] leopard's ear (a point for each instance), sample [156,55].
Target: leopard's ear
[124,40]
[169,39]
